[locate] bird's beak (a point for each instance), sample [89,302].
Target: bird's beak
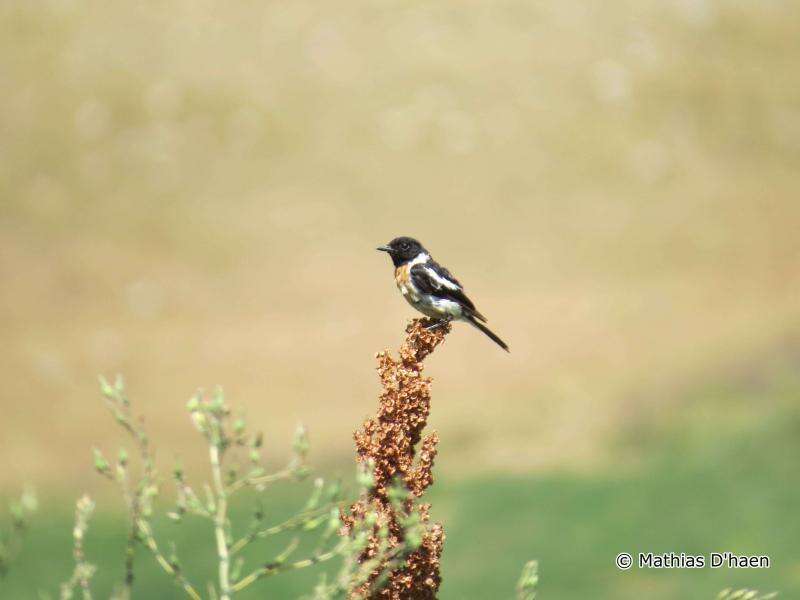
[384,248]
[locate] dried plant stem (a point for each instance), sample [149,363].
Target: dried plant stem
[137,493]
[278,567]
[83,572]
[290,523]
[388,444]
[132,500]
[150,543]
[83,579]
[220,522]
[235,463]
[129,556]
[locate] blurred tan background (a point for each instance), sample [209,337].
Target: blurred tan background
[191,193]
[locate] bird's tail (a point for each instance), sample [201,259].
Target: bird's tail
[489,333]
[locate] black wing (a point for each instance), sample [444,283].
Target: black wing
[432,278]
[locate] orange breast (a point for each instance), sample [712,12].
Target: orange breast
[402,278]
[401,274]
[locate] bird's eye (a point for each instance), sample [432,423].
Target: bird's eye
[404,246]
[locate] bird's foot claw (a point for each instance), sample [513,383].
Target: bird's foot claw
[437,324]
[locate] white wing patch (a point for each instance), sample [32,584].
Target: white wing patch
[441,281]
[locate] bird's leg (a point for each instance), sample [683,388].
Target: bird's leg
[439,323]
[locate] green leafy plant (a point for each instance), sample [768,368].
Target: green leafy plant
[744,594]
[528,581]
[84,571]
[383,537]
[20,511]
[235,465]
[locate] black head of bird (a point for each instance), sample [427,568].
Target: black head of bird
[403,249]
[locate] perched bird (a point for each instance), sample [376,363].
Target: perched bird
[431,289]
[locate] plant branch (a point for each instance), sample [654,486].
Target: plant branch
[169,567]
[278,567]
[220,521]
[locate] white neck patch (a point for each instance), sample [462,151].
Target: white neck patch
[419,259]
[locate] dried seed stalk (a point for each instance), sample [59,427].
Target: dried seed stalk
[389,442]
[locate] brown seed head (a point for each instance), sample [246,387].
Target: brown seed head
[389,441]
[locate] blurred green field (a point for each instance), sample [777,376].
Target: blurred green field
[707,485]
